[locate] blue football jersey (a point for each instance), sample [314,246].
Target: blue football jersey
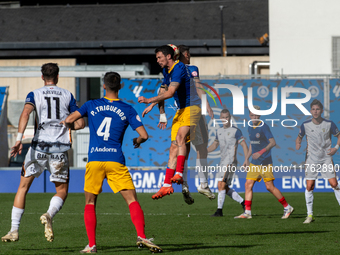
[186,94]
[193,71]
[259,139]
[108,119]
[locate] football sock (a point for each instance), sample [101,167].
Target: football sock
[169,173]
[283,202]
[203,169]
[309,201]
[220,199]
[337,193]
[248,206]
[56,204]
[137,218]
[185,171]
[180,164]
[90,223]
[235,196]
[16,217]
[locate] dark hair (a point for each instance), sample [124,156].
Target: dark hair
[316,102]
[112,81]
[225,111]
[50,71]
[183,48]
[166,50]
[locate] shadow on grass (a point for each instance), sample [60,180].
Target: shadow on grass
[280,233]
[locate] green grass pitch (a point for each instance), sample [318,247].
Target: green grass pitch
[177,227]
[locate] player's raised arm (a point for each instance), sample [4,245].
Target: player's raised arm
[143,136]
[24,117]
[166,95]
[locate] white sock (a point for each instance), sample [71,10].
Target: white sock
[56,204]
[185,171]
[16,217]
[248,212]
[203,173]
[235,196]
[166,185]
[309,201]
[337,193]
[220,199]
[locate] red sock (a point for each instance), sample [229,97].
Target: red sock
[137,217]
[283,202]
[180,163]
[90,223]
[247,203]
[169,173]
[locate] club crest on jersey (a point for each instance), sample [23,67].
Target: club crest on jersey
[257,135]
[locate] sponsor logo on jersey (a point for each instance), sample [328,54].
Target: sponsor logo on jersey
[40,126]
[255,142]
[96,149]
[194,74]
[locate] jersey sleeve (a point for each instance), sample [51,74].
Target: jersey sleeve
[30,99]
[216,138]
[83,109]
[194,72]
[134,119]
[302,131]
[268,134]
[334,129]
[176,75]
[239,137]
[73,104]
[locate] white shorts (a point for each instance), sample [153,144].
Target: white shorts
[326,168]
[226,174]
[56,164]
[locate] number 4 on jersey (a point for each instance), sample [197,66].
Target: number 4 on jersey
[106,123]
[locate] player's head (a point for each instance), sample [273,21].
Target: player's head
[225,115]
[316,108]
[184,55]
[112,81]
[50,72]
[164,54]
[254,116]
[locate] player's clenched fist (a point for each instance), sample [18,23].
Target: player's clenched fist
[143,100]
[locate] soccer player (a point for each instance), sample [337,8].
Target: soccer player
[261,166]
[48,149]
[228,137]
[177,79]
[200,141]
[108,119]
[319,153]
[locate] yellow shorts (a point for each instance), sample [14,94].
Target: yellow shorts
[256,173]
[188,116]
[117,175]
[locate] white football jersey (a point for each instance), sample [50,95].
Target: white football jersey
[318,139]
[228,138]
[52,105]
